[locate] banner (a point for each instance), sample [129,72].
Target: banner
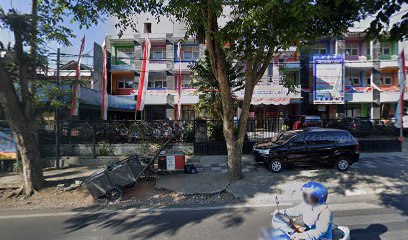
[104,105]
[270,92]
[402,73]
[75,103]
[179,82]
[144,75]
[328,72]
[8,146]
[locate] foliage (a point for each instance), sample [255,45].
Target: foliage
[204,80]
[18,166]
[106,150]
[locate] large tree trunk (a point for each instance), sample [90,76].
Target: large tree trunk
[27,143]
[23,125]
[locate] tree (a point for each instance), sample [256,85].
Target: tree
[257,31]
[204,81]
[45,22]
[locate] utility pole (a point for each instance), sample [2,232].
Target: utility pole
[57,124]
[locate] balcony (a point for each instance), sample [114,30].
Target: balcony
[390,62]
[159,65]
[183,65]
[359,97]
[357,62]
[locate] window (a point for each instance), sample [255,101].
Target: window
[187,112]
[320,49]
[125,82]
[354,81]
[190,52]
[386,48]
[352,49]
[125,54]
[368,81]
[185,81]
[158,53]
[157,81]
[148,27]
[386,81]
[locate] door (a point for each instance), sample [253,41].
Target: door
[260,116]
[297,150]
[321,146]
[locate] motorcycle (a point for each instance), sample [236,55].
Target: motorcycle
[284,226]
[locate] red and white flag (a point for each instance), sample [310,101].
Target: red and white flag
[104,105]
[75,103]
[179,81]
[402,82]
[144,75]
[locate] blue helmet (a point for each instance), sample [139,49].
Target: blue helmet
[314,193]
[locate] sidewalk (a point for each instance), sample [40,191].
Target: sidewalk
[376,173]
[53,176]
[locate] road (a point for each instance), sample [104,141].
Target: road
[367,217]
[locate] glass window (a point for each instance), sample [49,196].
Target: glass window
[187,112]
[386,48]
[157,81]
[352,49]
[354,81]
[125,82]
[147,27]
[185,81]
[320,48]
[158,53]
[287,136]
[190,52]
[125,53]
[386,81]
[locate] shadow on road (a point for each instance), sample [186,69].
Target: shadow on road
[372,232]
[153,224]
[389,183]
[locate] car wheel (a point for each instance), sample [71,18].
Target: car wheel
[342,164]
[275,165]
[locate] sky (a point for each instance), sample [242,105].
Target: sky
[98,33]
[94,34]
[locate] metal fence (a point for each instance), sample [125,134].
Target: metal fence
[116,132]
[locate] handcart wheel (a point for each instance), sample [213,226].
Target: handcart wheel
[114,194]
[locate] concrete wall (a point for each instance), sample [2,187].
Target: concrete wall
[87,150]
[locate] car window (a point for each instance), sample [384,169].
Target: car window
[343,137]
[283,138]
[313,138]
[298,140]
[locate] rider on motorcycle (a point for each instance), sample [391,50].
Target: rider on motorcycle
[316,215]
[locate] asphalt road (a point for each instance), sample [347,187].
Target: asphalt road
[367,217]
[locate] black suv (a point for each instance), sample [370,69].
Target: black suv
[309,146]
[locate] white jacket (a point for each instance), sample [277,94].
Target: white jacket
[318,220]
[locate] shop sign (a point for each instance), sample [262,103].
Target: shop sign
[328,72]
[266,92]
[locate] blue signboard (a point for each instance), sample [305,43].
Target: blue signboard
[8,146]
[328,72]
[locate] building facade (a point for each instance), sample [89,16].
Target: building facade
[370,75]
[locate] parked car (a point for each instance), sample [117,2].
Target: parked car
[310,146]
[305,121]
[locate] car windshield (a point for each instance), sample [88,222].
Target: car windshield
[283,138]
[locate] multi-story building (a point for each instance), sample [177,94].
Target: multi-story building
[126,55]
[371,75]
